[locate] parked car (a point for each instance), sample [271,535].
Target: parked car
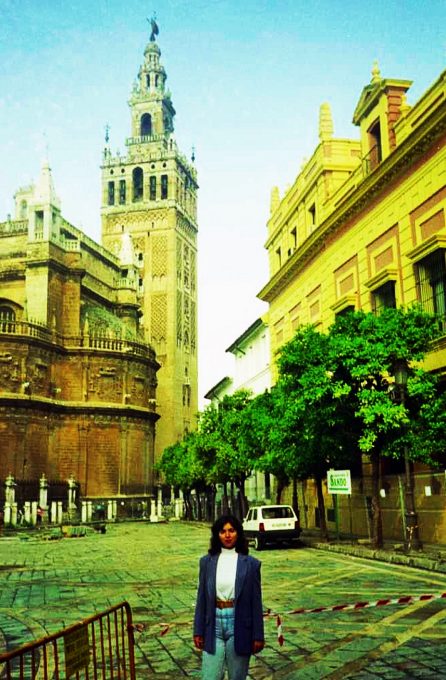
[271,524]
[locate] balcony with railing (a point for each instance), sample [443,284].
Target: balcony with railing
[144,139]
[11,227]
[94,341]
[30,329]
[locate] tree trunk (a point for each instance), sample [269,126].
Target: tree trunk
[243,501]
[233,499]
[212,495]
[280,487]
[208,503]
[295,501]
[321,506]
[199,508]
[187,505]
[225,500]
[377,522]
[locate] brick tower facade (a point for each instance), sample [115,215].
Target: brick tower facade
[149,194]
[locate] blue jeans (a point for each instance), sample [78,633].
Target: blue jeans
[213,665]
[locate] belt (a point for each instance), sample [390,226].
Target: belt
[224,604]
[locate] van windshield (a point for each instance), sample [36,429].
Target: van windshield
[277,513]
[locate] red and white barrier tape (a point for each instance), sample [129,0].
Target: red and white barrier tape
[406,599]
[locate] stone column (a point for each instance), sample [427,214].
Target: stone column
[159,503]
[83,511]
[43,492]
[109,510]
[59,512]
[89,510]
[71,495]
[178,508]
[10,489]
[14,514]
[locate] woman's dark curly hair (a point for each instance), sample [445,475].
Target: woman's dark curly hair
[241,545]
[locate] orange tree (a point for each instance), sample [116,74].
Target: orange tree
[335,399]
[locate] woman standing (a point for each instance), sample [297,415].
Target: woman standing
[228,624]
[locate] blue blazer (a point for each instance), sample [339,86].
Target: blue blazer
[248,615]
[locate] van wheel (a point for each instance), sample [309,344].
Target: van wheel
[258,543]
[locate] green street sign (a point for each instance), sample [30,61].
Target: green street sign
[339,481]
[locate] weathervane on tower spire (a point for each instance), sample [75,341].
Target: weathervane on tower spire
[154,26]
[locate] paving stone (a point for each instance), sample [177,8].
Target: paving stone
[155,568]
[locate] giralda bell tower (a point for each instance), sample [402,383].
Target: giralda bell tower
[150,193]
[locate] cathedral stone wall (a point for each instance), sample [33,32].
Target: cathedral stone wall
[77,380]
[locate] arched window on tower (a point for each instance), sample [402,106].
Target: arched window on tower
[164,186]
[146,125]
[122,191]
[111,193]
[23,210]
[138,184]
[156,80]
[148,81]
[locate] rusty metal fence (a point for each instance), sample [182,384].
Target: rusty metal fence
[100,647]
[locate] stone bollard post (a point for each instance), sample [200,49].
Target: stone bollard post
[53,512]
[27,512]
[7,510]
[109,510]
[43,497]
[83,511]
[72,488]
[14,514]
[34,505]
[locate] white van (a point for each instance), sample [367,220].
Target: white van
[271,524]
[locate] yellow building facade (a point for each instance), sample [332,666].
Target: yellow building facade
[363,225]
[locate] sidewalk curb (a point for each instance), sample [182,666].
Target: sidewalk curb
[417,561]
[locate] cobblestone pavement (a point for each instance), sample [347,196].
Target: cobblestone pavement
[47,585]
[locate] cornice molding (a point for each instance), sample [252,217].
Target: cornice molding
[396,164]
[385,275]
[427,247]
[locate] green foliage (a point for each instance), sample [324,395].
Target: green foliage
[228,433]
[101,321]
[181,466]
[335,399]
[365,350]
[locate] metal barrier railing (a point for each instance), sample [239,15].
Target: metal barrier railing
[100,647]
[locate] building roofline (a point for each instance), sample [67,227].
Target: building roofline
[213,391]
[245,335]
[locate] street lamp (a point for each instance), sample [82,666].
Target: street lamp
[412,538]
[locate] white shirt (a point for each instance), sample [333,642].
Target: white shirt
[226,572]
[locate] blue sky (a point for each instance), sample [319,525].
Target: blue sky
[247,80]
